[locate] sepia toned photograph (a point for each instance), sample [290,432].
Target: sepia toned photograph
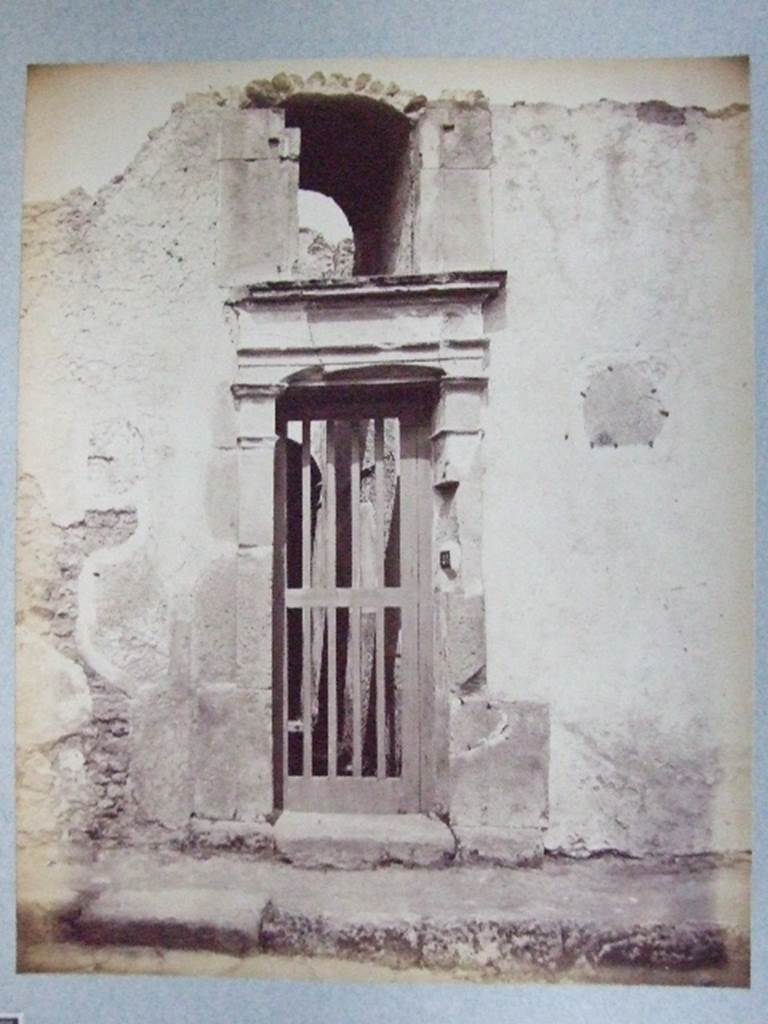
[385,522]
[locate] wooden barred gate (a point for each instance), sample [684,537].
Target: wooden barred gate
[352,593]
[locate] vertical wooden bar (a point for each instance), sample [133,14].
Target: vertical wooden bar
[379,481]
[354,612]
[280,625]
[306,504]
[381,746]
[306,621]
[409,712]
[331,671]
[427,710]
[380,504]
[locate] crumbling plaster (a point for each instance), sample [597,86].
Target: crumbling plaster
[616,577]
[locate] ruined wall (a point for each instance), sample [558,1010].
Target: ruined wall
[618,515]
[617,494]
[128,496]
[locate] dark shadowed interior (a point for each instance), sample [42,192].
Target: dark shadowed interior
[356,150]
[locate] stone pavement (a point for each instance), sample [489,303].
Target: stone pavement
[604,919]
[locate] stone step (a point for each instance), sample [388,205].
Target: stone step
[362,840]
[502,944]
[684,923]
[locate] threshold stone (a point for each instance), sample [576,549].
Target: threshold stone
[352,841]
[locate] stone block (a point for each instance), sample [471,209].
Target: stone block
[193,918]
[256,475]
[507,847]
[214,625]
[162,772]
[296,930]
[499,764]
[454,225]
[680,946]
[455,458]
[362,840]
[53,699]
[502,945]
[242,837]
[461,405]
[258,220]
[254,618]
[256,416]
[455,137]
[465,138]
[461,640]
[233,761]
[256,135]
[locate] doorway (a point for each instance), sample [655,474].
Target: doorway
[353,596]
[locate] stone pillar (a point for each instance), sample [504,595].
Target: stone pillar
[496,780]
[235,779]
[258,230]
[453,227]
[459,648]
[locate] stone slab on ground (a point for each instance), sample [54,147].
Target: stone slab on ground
[225,922]
[569,919]
[362,840]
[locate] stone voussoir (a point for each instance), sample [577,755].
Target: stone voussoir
[362,840]
[266,92]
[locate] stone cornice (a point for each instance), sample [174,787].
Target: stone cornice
[414,287]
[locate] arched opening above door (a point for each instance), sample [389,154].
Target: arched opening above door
[356,150]
[326,240]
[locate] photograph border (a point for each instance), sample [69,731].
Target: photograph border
[236,30]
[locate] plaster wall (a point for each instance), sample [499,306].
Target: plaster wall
[617,579]
[618,491]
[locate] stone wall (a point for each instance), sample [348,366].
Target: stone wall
[127,458]
[617,492]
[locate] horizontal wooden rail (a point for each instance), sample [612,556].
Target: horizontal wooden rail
[345,597]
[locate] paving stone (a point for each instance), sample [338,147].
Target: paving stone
[607,918]
[682,946]
[380,938]
[501,944]
[225,922]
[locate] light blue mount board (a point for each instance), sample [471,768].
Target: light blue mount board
[99,31]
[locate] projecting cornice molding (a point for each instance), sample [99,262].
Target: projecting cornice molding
[285,328]
[455,285]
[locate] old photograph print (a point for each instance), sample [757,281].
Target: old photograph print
[385,522]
